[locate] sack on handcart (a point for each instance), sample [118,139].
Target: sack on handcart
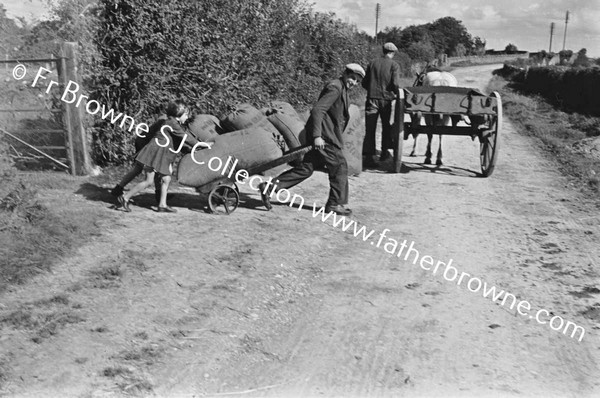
[245,116]
[205,127]
[287,121]
[251,147]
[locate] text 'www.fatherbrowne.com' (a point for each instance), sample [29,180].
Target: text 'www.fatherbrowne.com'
[404,249]
[408,252]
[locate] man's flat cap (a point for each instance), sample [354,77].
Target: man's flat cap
[356,68]
[389,47]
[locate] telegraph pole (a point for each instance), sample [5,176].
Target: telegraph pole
[377,12]
[566,22]
[551,33]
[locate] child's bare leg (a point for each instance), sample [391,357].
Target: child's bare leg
[165,181]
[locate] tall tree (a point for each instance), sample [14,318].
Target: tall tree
[478,46]
[510,48]
[447,33]
[443,36]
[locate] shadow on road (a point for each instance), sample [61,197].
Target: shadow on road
[191,201]
[444,170]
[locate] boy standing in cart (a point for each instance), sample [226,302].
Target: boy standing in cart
[324,128]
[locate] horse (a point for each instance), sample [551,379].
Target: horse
[433,77]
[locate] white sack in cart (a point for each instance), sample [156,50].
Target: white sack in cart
[353,138]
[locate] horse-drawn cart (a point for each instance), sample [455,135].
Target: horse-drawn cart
[484,118]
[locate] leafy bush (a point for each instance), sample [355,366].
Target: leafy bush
[562,135]
[582,59]
[213,55]
[405,63]
[421,51]
[511,72]
[572,88]
[564,56]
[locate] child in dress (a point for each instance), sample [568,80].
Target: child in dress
[138,168]
[158,155]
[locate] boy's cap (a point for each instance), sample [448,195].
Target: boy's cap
[390,47]
[356,68]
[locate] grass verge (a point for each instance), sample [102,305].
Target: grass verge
[39,223]
[569,138]
[43,318]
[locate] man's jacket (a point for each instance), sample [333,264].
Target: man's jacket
[382,78]
[329,116]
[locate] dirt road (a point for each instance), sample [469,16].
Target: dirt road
[280,304]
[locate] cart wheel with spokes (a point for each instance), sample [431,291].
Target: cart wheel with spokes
[398,133]
[224,199]
[488,142]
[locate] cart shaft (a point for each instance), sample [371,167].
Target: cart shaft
[444,130]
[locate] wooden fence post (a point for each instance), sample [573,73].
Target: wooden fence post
[61,66]
[73,116]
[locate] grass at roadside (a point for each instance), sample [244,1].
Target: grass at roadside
[567,137]
[35,232]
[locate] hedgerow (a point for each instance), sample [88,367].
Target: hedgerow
[213,54]
[573,89]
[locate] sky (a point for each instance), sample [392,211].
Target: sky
[30,9]
[524,23]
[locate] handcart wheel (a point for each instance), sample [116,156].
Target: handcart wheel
[398,131]
[223,199]
[488,142]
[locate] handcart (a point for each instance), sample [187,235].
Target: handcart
[224,194]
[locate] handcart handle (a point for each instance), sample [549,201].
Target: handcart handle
[295,153]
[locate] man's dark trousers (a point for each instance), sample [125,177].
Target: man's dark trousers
[333,158]
[374,108]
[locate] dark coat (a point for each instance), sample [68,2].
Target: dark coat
[329,116]
[178,133]
[382,78]
[141,142]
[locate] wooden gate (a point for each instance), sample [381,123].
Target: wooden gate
[38,85]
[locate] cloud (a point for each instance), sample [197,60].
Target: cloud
[523,23]
[352,6]
[29,9]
